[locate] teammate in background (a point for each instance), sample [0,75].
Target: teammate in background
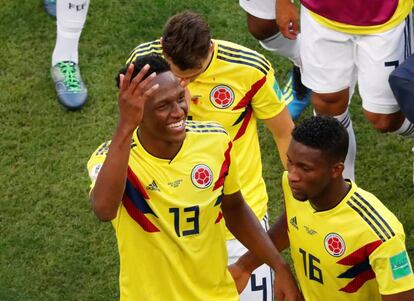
[165,184]
[232,85]
[345,244]
[71,16]
[343,42]
[262,17]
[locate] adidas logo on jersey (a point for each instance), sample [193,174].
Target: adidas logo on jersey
[153,187]
[293,221]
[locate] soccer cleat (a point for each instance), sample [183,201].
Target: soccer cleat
[70,89]
[297,96]
[50,7]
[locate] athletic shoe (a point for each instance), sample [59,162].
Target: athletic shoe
[296,94]
[70,89]
[50,7]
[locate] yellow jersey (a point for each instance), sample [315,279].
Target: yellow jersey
[353,252]
[169,225]
[234,90]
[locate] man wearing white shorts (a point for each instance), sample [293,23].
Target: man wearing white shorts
[262,16]
[343,42]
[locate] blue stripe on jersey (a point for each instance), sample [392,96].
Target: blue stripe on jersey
[256,55]
[238,56]
[137,199]
[357,210]
[242,63]
[376,213]
[356,269]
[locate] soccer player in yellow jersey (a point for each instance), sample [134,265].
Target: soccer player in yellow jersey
[232,85]
[345,244]
[166,184]
[344,42]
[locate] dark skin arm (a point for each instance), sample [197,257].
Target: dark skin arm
[243,224]
[110,183]
[403,296]
[243,268]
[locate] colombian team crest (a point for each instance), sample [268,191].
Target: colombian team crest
[334,244]
[201,176]
[222,96]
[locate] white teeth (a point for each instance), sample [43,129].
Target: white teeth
[177,124]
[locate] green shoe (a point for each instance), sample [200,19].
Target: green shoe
[70,89]
[50,7]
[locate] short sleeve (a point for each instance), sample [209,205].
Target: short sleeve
[392,266]
[96,161]
[268,100]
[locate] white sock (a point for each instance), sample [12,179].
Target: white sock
[349,171]
[283,46]
[406,129]
[70,18]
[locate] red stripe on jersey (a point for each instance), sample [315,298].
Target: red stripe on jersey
[358,281]
[361,254]
[219,217]
[136,183]
[138,216]
[245,123]
[224,168]
[247,99]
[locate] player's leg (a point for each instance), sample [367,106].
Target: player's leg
[377,56]
[260,285]
[328,69]
[71,16]
[261,22]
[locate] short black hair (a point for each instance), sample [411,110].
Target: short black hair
[186,40]
[156,62]
[324,133]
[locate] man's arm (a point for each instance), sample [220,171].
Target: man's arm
[281,127]
[244,225]
[403,296]
[110,183]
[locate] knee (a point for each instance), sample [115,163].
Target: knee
[261,29]
[385,123]
[330,103]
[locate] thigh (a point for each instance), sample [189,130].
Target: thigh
[327,56]
[376,57]
[263,9]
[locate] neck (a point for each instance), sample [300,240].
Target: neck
[331,196]
[159,148]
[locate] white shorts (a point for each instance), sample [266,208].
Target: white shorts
[263,9]
[332,61]
[260,286]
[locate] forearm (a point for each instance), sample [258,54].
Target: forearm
[110,183]
[244,225]
[280,239]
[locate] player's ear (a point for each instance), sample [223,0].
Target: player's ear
[337,170]
[211,46]
[161,41]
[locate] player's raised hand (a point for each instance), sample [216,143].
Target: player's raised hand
[132,96]
[285,286]
[287,18]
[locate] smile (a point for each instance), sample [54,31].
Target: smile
[176,124]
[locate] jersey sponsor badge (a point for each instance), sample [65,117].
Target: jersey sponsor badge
[400,265]
[334,244]
[201,176]
[222,96]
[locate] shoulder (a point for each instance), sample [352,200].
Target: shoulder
[242,57]
[153,47]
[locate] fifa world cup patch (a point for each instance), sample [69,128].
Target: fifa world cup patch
[400,266]
[334,244]
[222,96]
[201,176]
